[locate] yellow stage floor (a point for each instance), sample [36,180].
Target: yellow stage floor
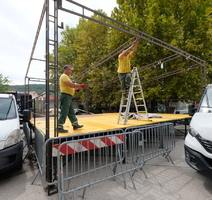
[104,122]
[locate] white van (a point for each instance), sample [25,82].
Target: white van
[11,145]
[198,142]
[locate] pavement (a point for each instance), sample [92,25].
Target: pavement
[165,181]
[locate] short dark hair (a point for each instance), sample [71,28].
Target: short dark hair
[66,66]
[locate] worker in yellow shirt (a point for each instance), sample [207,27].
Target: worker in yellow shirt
[124,68]
[67,88]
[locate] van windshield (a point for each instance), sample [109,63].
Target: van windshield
[206,104]
[7,109]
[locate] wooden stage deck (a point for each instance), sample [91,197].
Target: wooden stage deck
[105,122]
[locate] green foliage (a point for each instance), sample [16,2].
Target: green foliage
[183,24]
[4,83]
[66,51]
[186,25]
[89,44]
[92,45]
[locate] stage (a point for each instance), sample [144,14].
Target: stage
[106,122]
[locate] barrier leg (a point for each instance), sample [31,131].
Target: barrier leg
[132,180]
[119,154]
[118,159]
[35,177]
[141,168]
[74,195]
[114,171]
[168,157]
[83,194]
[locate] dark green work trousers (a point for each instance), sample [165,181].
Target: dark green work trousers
[125,79]
[67,109]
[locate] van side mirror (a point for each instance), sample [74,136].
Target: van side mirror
[191,109]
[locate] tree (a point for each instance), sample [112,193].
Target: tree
[4,83]
[183,24]
[91,45]
[186,25]
[66,51]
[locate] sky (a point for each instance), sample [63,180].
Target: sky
[19,22]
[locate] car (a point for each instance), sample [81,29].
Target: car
[198,142]
[11,144]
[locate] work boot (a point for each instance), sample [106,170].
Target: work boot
[61,130]
[76,126]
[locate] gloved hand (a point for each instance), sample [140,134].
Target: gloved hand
[77,90]
[82,85]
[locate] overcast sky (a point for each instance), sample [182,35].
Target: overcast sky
[19,21]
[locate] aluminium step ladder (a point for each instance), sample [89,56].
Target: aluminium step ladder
[136,92]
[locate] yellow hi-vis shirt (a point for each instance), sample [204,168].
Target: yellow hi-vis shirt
[124,64]
[64,88]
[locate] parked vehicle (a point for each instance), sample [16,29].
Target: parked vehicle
[198,142]
[11,144]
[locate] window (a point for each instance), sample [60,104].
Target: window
[7,109]
[206,104]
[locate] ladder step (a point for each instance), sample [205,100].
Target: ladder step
[51,21]
[52,16]
[52,67]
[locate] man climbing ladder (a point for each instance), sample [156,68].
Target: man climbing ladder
[136,92]
[124,68]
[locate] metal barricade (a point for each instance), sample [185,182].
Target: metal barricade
[82,161]
[86,162]
[149,142]
[50,154]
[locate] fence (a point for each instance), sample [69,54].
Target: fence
[153,140]
[97,163]
[149,142]
[51,149]
[85,160]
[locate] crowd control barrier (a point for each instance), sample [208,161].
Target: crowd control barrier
[86,161]
[150,141]
[71,147]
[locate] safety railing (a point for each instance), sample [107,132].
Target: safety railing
[51,149]
[89,161]
[157,139]
[149,142]
[96,158]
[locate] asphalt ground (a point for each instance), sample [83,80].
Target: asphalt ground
[165,181]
